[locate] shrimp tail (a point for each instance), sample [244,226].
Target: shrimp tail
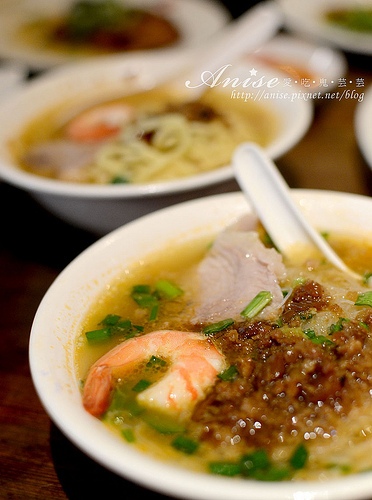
[97,390]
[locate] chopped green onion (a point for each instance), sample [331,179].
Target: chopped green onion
[144,299]
[119,180]
[163,424]
[141,289]
[261,300]
[272,473]
[298,281]
[366,277]
[96,335]
[336,327]
[155,361]
[167,289]
[253,461]
[110,320]
[186,445]
[299,457]
[225,468]
[317,339]
[229,374]
[154,312]
[217,327]
[141,385]
[364,299]
[128,435]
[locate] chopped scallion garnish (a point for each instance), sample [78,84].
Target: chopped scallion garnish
[364,299]
[299,457]
[128,435]
[218,327]
[141,385]
[167,289]
[186,445]
[229,374]
[261,300]
[318,339]
[101,334]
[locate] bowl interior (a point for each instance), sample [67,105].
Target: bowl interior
[113,77]
[58,319]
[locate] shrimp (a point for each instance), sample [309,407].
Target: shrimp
[100,122]
[195,363]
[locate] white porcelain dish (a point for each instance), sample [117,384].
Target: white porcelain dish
[102,208]
[321,65]
[197,20]
[56,326]
[363,126]
[307,20]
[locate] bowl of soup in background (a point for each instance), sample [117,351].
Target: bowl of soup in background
[101,208]
[60,316]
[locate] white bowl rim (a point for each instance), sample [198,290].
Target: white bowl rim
[37,184]
[156,475]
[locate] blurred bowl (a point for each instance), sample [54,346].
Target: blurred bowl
[196,21]
[58,324]
[102,208]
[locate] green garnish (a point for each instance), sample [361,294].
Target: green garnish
[154,312]
[257,465]
[364,299]
[318,339]
[336,327]
[167,289]
[366,277]
[85,17]
[218,327]
[119,180]
[101,334]
[128,435]
[148,298]
[141,385]
[225,468]
[110,320]
[299,457]
[155,362]
[229,374]
[261,300]
[115,325]
[163,423]
[184,444]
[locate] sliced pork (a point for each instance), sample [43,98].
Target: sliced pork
[236,269]
[61,159]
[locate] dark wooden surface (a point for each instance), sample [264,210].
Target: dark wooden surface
[36,460]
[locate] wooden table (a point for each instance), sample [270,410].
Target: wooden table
[36,460]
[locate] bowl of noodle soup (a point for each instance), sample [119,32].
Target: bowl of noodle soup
[338,466]
[177,162]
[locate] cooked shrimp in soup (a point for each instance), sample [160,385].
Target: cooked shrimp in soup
[219,356]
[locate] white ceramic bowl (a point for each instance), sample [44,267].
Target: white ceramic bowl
[307,20]
[196,20]
[102,208]
[363,124]
[325,64]
[56,326]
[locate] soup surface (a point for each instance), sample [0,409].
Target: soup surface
[219,357]
[153,136]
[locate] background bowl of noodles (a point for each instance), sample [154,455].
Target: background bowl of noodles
[58,323]
[102,207]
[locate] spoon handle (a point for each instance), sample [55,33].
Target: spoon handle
[270,197]
[243,35]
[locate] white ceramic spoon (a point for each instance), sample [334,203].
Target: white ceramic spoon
[270,197]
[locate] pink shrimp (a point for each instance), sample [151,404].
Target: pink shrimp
[195,363]
[100,122]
